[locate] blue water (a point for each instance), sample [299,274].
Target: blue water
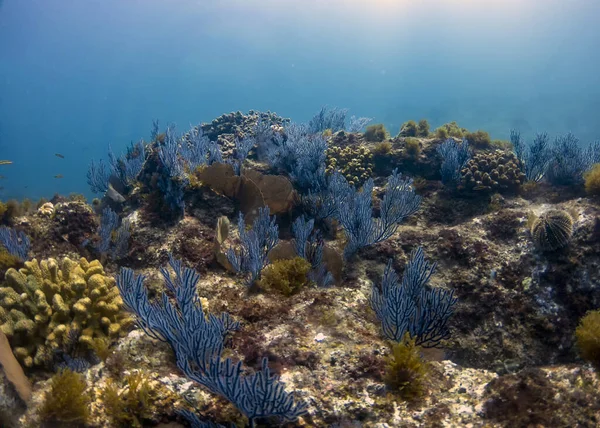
[77,75]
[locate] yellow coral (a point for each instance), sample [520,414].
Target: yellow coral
[44,300]
[354,163]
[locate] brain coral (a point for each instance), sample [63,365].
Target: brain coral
[42,302]
[552,230]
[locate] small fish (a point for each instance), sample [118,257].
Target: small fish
[5,162]
[114,195]
[58,176]
[58,155]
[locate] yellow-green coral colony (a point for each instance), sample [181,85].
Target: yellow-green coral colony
[552,230]
[354,163]
[492,171]
[44,300]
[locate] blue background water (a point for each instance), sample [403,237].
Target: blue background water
[76,75]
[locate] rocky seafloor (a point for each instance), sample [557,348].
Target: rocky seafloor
[511,359]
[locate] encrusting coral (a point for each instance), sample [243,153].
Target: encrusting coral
[44,301]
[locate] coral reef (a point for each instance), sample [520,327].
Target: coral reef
[496,171]
[516,350]
[43,301]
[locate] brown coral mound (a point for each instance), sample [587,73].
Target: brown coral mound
[252,189]
[492,171]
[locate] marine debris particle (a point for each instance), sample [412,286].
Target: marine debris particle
[58,176]
[6,162]
[58,155]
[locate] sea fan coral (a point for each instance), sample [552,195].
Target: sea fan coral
[198,340]
[552,230]
[408,306]
[15,242]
